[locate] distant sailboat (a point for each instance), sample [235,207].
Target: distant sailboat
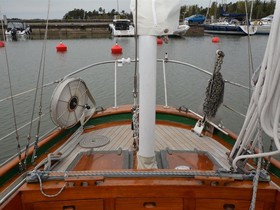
[233,24]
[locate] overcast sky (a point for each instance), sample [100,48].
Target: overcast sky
[30,9]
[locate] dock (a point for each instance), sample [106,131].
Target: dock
[73,29]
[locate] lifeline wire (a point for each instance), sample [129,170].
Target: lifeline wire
[12,100]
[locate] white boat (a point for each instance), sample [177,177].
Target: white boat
[142,155]
[263,25]
[181,30]
[121,28]
[17,29]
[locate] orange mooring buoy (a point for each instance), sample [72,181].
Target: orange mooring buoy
[116,49]
[159,41]
[215,39]
[61,47]
[2,44]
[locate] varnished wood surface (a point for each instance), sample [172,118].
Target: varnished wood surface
[194,161]
[174,138]
[164,192]
[149,203]
[97,204]
[100,162]
[145,192]
[174,193]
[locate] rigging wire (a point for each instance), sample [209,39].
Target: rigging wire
[250,54]
[135,107]
[135,88]
[41,68]
[12,100]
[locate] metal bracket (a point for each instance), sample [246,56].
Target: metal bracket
[198,128]
[32,177]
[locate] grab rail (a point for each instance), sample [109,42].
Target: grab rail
[117,63]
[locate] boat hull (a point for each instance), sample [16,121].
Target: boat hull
[229,29]
[124,29]
[263,29]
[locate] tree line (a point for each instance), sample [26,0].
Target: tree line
[95,14]
[260,9]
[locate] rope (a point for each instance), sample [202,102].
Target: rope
[42,191]
[41,69]
[12,101]
[265,102]
[256,178]
[215,89]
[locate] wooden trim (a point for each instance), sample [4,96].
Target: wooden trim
[14,202]
[14,162]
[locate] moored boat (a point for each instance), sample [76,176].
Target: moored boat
[141,155]
[230,28]
[263,25]
[121,27]
[17,30]
[232,24]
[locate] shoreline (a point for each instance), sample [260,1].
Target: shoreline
[81,29]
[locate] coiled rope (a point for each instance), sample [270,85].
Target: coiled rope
[265,103]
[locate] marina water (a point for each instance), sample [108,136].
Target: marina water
[185,86]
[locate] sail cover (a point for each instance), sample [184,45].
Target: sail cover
[156,17]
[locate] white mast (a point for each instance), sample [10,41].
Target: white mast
[147,101]
[155,18]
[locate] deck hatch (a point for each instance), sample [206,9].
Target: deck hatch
[102,160]
[187,160]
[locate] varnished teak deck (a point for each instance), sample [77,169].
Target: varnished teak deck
[173,138]
[138,193]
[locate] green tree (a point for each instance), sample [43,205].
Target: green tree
[75,14]
[100,9]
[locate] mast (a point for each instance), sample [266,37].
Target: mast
[154,18]
[147,101]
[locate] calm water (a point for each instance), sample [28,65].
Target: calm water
[185,86]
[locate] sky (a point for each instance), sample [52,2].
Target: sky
[31,9]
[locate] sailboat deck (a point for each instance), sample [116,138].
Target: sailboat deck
[171,137]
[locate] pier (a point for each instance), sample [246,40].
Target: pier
[73,29]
